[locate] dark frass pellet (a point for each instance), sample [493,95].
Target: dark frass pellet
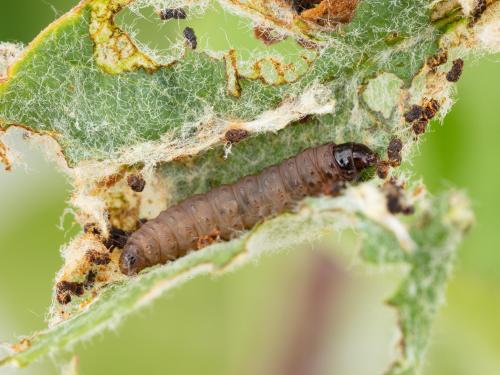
[419,116]
[440,58]
[456,70]
[64,290]
[235,135]
[173,13]
[136,182]
[190,37]
[394,151]
[478,11]
[91,228]
[431,106]
[419,126]
[396,203]
[90,279]
[98,258]
[383,169]
[414,113]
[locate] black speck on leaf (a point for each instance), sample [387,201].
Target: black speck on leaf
[190,37]
[173,13]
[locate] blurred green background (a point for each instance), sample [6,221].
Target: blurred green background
[227,325]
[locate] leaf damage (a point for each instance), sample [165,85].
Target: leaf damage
[114,50]
[179,126]
[314,216]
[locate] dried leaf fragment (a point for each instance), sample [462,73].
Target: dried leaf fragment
[328,12]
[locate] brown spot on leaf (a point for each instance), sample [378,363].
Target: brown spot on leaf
[136,182]
[456,70]
[4,158]
[267,35]
[23,345]
[232,83]
[115,51]
[306,43]
[111,180]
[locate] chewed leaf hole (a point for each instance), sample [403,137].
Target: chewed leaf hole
[217,32]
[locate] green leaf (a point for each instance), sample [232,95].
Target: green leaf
[113,103]
[63,86]
[436,230]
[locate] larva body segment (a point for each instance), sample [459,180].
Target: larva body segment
[248,192]
[229,209]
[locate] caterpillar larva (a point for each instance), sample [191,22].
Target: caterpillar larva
[222,212]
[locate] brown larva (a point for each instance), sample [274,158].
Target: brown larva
[228,209]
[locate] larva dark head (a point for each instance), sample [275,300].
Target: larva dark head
[353,158]
[131,260]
